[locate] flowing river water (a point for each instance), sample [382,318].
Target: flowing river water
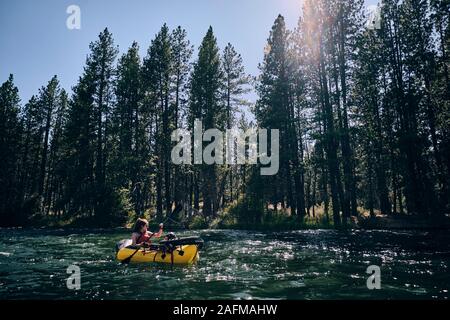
[309,264]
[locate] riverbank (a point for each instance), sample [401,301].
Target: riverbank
[288,223]
[278,222]
[393,222]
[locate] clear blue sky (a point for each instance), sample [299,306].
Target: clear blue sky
[35,43]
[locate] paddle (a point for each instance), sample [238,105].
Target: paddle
[127,260]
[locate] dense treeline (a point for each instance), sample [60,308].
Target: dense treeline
[363,115]
[105,153]
[363,111]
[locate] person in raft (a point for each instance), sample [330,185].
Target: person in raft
[141,236]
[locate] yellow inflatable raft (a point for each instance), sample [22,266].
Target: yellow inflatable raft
[181,251]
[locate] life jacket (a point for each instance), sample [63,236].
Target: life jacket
[144,238]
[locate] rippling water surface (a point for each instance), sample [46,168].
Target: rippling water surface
[319,264]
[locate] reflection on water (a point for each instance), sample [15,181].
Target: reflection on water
[319,264]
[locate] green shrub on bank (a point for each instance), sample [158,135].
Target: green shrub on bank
[245,215]
[198,222]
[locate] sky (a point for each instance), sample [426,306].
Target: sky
[36,44]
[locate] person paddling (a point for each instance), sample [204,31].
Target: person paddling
[141,236]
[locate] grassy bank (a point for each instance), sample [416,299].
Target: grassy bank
[240,217]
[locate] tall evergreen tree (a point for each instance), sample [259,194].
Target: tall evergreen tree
[88,135]
[236,84]
[10,133]
[205,97]
[130,152]
[48,99]
[30,154]
[157,75]
[182,51]
[281,106]
[56,177]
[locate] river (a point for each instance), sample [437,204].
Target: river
[308,264]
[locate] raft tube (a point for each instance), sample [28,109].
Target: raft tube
[182,251]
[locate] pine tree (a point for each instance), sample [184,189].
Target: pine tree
[129,155]
[182,51]
[368,96]
[181,54]
[87,136]
[205,97]
[272,107]
[236,84]
[29,154]
[48,100]
[157,73]
[56,175]
[100,66]
[10,133]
